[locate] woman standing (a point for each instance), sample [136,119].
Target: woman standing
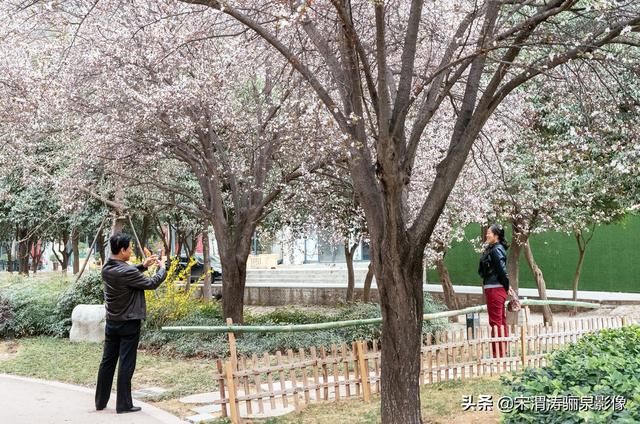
[493,270]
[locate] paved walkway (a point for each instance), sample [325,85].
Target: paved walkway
[27,401]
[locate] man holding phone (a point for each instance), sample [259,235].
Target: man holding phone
[124,287]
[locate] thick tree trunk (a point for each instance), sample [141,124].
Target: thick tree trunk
[117,225]
[75,242]
[366,292]
[447,288]
[207,293]
[539,278]
[118,222]
[348,254]
[513,267]
[399,277]
[234,276]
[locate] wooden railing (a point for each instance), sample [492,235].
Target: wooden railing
[250,386]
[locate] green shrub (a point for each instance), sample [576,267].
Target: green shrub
[7,314]
[359,311]
[87,291]
[288,315]
[187,344]
[32,301]
[606,363]
[210,310]
[258,343]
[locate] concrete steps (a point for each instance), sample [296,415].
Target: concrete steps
[305,275]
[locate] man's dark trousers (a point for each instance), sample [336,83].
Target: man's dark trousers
[121,341]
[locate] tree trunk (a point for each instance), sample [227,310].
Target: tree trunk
[194,245]
[539,278]
[100,246]
[137,247]
[399,277]
[144,235]
[191,250]
[160,231]
[234,276]
[10,260]
[348,254]
[37,254]
[366,293]
[23,252]
[576,276]
[582,248]
[75,242]
[172,239]
[207,293]
[178,243]
[64,264]
[513,265]
[447,288]
[118,222]
[117,225]
[33,252]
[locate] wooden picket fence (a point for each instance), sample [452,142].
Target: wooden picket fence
[249,386]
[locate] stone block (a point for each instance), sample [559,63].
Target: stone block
[87,323]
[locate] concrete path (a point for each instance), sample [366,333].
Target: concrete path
[27,401]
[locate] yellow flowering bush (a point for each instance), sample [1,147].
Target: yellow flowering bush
[170,302]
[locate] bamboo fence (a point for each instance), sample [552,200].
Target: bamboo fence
[251,386]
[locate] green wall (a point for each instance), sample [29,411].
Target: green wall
[612,259]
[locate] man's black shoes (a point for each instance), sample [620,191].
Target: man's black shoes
[132,409]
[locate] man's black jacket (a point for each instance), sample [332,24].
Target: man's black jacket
[493,266]
[124,287]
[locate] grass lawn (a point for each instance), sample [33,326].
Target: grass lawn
[440,404]
[77,363]
[57,359]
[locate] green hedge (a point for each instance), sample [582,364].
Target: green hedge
[28,306]
[33,307]
[215,345]
[606,363]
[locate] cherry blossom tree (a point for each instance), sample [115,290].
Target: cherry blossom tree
[576,163]
[387,68]
[151,85]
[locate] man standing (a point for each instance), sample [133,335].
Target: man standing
[124,287]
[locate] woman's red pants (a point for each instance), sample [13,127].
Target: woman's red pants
[497,318]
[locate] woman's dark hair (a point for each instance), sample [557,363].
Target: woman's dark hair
[119,242]
[499,231]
